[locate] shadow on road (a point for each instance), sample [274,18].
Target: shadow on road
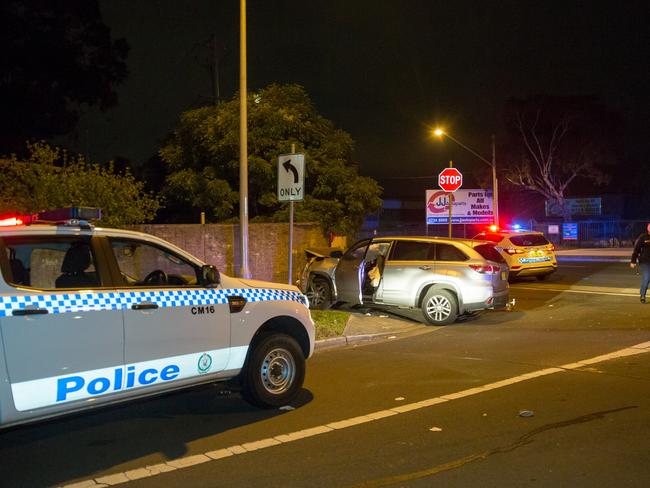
[82,445]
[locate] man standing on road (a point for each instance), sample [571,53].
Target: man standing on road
[641,257]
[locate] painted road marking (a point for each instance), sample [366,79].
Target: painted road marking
[189,461]
[590,290]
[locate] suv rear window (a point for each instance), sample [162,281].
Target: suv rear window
[529,240]
[447,252]
[489,252]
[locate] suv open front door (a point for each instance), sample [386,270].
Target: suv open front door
[350,272]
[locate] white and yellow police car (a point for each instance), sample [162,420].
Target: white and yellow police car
[527,253]
[92,316]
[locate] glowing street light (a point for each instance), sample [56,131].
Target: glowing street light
[440,133]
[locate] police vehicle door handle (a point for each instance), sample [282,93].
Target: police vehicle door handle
[30,311]
[144,306]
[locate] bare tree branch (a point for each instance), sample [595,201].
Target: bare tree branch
[553,160]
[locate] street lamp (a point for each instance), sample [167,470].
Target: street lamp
[493,164]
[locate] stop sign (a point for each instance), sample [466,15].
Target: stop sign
[450,179]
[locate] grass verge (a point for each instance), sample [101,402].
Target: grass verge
[329,323]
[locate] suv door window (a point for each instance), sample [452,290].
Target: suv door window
[449,252]
[374,264]
[356,252]
[144,264]
[51,262]
[413,251]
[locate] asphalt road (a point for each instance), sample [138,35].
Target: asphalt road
[587,425]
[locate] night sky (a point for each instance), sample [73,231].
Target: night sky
[385,71]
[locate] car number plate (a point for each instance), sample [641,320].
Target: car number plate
[534,260]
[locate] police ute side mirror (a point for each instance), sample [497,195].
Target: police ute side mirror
[210,276]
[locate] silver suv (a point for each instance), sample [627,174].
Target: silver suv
[445,278]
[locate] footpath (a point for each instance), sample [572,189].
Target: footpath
[370,325]
[374,324]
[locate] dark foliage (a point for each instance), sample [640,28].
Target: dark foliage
[55,56]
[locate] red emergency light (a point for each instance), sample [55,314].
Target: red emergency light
[10,221]
[60,215]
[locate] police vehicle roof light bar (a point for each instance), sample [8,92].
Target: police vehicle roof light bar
[71,213]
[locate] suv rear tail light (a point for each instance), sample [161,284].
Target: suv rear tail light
[512,250]
[550,247]
[485,269]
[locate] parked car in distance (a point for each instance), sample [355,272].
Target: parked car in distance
[527,253]
[445,278]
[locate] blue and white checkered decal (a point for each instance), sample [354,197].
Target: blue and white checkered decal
[120,300]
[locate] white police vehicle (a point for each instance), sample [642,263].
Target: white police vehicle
[92,316]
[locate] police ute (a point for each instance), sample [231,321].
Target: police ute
[92,316]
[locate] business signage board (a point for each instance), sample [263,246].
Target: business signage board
[575,206]
[570,231]
[470,206]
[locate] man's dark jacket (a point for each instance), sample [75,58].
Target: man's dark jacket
[641,253]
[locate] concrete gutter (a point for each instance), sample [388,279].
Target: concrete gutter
[347,340]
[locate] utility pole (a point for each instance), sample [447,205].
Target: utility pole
[216,89]
[244,271]
[495,184]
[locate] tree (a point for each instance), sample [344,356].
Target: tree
[54,57]
[50,178]
[559,141]
[203,160]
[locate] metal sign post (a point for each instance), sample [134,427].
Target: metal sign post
[291,188]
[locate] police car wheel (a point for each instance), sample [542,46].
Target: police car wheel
[440,307]
[274,372]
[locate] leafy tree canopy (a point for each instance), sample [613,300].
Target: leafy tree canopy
[50,178]
[557,143]
[203,162]
[54,56]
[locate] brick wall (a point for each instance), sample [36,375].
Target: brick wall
[268,246]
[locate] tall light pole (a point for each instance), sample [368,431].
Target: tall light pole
[493,164]
[243,145]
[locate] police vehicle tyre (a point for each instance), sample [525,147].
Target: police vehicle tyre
[439,307]
[274,372]
[319,294]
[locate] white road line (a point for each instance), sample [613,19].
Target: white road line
[189,461]
[629,292]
